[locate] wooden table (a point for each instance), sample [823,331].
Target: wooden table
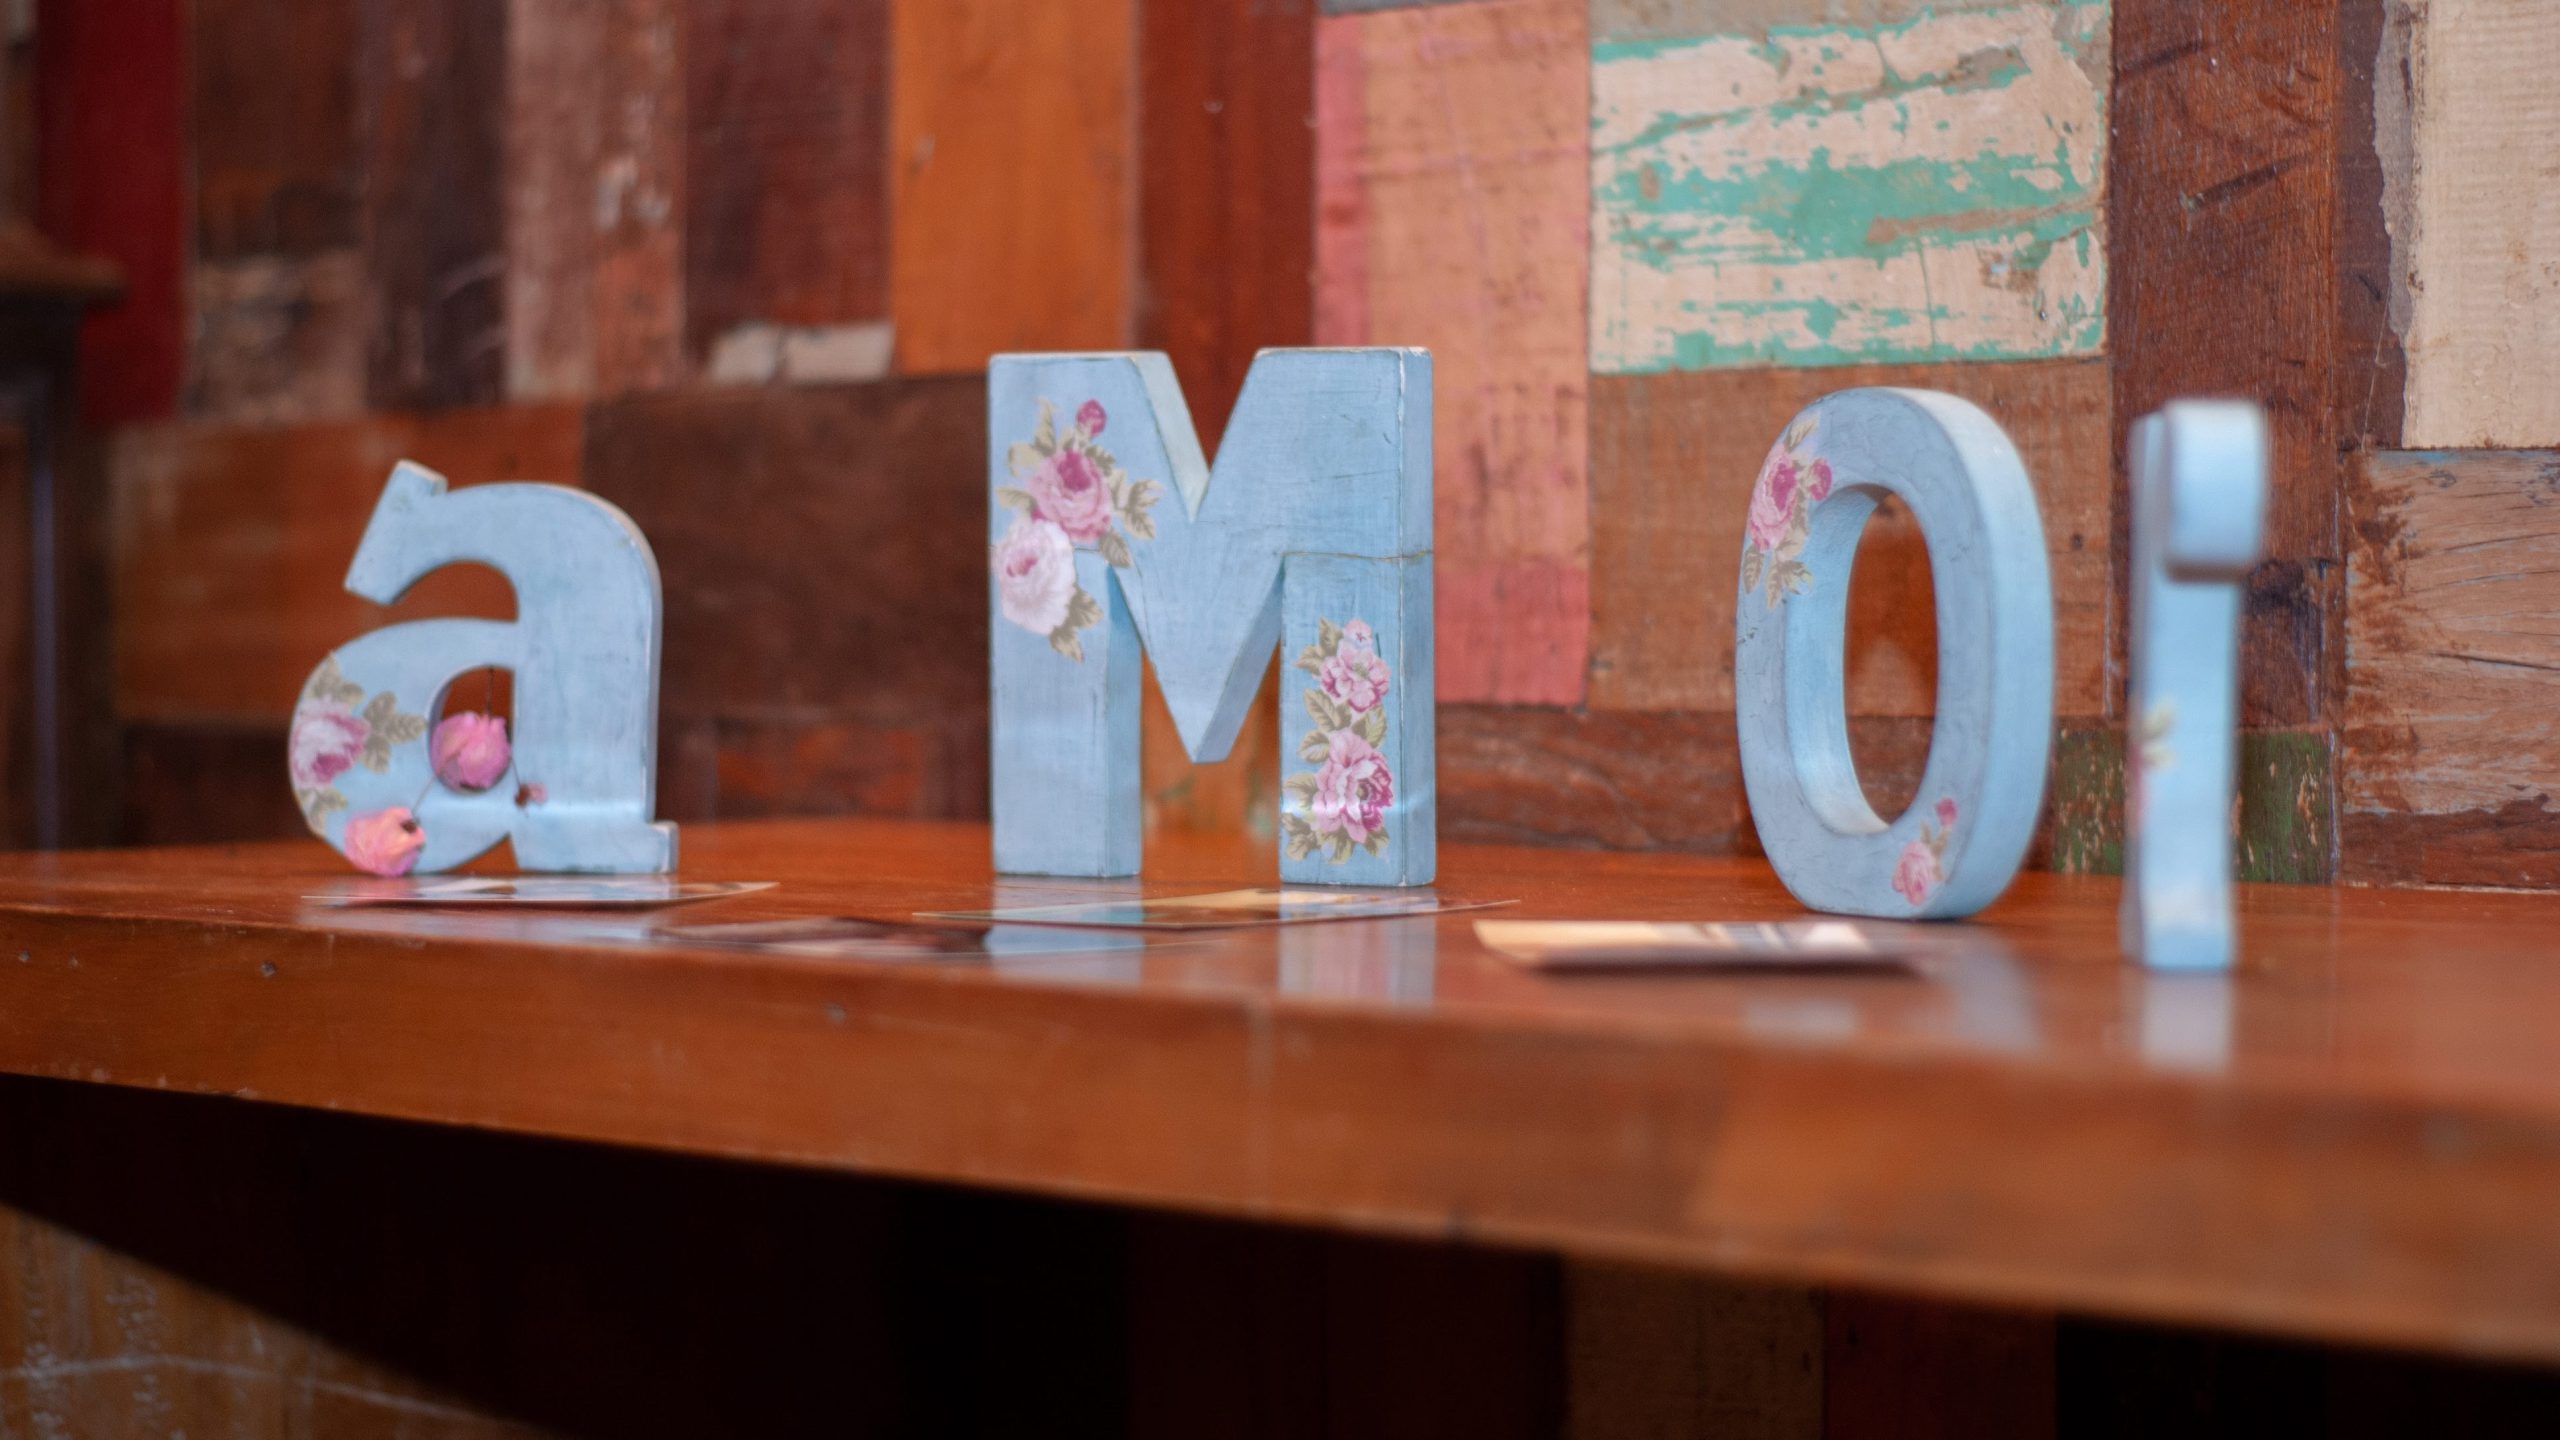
[2357,1137]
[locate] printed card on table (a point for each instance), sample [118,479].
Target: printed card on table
[1224,909]
[551,892]
[1599,945]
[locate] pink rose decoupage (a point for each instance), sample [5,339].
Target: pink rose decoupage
[331,736]
[1922,867]
[1068,492]
[1341,806]
[1780,516]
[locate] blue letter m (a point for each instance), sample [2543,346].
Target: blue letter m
[1313,534]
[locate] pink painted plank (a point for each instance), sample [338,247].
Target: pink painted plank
[1453,212]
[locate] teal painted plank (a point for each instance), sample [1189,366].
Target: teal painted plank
[1914,190]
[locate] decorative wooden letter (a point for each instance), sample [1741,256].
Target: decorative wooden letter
[584,650]
[1961,842]
[1110,530]
[2199,518]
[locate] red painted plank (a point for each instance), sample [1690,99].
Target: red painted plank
[111,180]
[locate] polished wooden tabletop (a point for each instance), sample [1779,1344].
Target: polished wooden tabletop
[2356,1136]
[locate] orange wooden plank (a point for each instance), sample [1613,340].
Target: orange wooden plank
[1012,179]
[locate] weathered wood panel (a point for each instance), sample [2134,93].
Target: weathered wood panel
[2450,754]
[595,190]
[111,109]
[2224,176]
[277,339]
[822,547]
[434,86]
[1771,189]
[2470,126]
[231,547]
[786,152]
[2284,825]
[1453,191]
[1012,185]
[1673,458]
[272,119]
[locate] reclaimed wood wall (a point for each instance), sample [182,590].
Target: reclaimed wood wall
[737,265]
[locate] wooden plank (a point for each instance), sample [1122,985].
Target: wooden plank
[1226,216]
[1012,187]
[277,339]
[1453,200]
[273,121]
[1663,780]
[927,770]
[768,613]
[1894,1366]
[434,86]
[2226,168]
[595,196]
[1771,190]
[205,782]
[2450,752]
[111,109]
[786,189]
[1226,227]
[1664,1355]
[1664,546]
[2469,120]
[2284,826]
[231,547]
[2034,1127]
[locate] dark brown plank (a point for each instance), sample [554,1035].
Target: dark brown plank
[786,146]
[196,783]
[1226,210]
[1918,1371]
[273,121]
[434,86]
[2223,225]
[823,547]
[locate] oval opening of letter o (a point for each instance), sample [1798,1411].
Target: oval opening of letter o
[1957,847]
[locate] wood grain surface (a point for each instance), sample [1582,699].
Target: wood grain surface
[1453,180]
[232,546]
[2355,1136]
[1673,459]
[2451,753]
[1012,167]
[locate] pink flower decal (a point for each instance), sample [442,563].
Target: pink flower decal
[1035,567]
[1069,492]
[1340,806]
[469,750]
[1775,527]
[386,842]
[1922,867]
[337,728]
[1916,876]
[1354,674]
[1066,485]
[328,739]
[1353,790]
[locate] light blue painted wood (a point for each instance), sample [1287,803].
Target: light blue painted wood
[1109,531]
[584,650]
[1961,842]
[2199,523]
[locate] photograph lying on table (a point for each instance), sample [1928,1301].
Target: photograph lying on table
[1593,945]
[1224,909]
[844,937]
[638,892]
